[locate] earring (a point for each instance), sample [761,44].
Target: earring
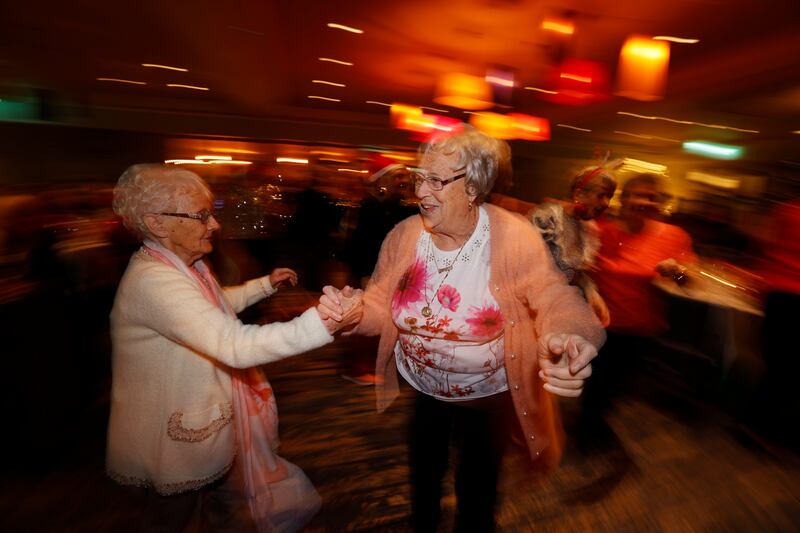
[469,206]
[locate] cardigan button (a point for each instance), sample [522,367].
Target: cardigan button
[533,437]
[516,387]
[524,412]
[513,356]
[496,288]
[512,323]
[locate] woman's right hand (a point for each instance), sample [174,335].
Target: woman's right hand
[340,309]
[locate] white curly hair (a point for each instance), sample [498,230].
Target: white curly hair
[153,188]
[482,156]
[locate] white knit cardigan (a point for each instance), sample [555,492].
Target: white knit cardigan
[171,412]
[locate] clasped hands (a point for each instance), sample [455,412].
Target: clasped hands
[340,309]
[564,363]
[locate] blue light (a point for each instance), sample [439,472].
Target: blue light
[717,151]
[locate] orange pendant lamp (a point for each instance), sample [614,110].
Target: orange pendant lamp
[642,69]
[464,91]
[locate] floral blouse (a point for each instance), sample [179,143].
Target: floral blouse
[451,328]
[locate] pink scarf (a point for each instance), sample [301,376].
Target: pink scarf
[254,406]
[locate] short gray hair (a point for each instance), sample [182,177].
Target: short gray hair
[481,156]
[153,188]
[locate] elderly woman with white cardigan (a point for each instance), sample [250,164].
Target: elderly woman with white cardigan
[190,413]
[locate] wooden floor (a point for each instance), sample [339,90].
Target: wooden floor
[682,466]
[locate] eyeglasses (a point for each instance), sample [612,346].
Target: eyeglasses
[203,216]
[434,182]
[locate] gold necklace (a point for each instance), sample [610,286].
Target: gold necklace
[427,311]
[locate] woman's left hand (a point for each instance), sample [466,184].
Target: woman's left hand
[279,275]
[564,363]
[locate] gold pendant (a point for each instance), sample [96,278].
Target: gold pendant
[426,311]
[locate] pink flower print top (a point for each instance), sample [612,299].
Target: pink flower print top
[455,353]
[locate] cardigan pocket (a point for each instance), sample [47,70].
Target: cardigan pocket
[200,425]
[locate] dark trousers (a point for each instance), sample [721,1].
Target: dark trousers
[480,430]
[612,373]
[778,407]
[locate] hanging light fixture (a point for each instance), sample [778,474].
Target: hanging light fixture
[464,91]
[642,70]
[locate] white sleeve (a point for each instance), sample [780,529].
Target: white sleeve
[250,292]
[169,303]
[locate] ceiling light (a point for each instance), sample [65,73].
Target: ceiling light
[572,127]
[637,165]
[379,103]
[323,82]
[463,91]
[231,162]
[297,160]
[717,151]
[679,40]
[337,61]
[118,80]
[642,68]
[538,90]
[314,97]
[649,137]
[192,87]
[352,170]
[167,67]
[324,152]
[575,77]
[564,27]
[186,162]
[213,157]
[497,80]
[715,126]
[343,27]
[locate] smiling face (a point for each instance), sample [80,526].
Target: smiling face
[593,199]
[188,238]
[641,200]
[446,211]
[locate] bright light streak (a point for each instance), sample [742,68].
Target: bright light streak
[118,80]
[496,80]
[297,160]
[337,61]
[231,162]
[323,82]
[715,126]
[643,136]
[538,90]
[334,160]
[352,170]
[719,151]
[434,109]
[192,87]
[323,152]
[565,28]
[186,162]
[213,157]
[379,103]
[672,39]
[572,127]
[167,67]
[343,27]
[715,278]
[637,165]
[575,77]
[314,97]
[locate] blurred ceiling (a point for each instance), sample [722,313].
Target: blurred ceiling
[257,58]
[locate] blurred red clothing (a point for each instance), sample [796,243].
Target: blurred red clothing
[781,266]
[625,270]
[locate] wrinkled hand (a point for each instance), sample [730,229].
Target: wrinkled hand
[279,275]
[669,267]
[340,309]
[564,363]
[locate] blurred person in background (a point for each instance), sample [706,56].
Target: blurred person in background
[778,406]
[571,233]
[635,248]
[191,417]
[384,207]
[475,316]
